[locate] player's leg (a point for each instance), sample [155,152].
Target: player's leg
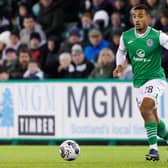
[162,131]
[151,93]
[147,111]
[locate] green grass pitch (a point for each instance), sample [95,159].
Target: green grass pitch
[91,157]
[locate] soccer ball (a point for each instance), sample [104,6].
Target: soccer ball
[69,150]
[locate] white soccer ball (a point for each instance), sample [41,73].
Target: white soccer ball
[69,150]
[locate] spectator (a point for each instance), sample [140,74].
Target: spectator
[154,6]
[14,40]
[65,68]
[121,7]
[36,47]
[21,66]
[162,22]
[74,37]
[10,60]
[33,71]
[31,26]
[101,20]
[50,59]
[81,66]
[86,26]
[97,43]
[116,23]
[23,11]
[105,65]
[51,18]
[114,40]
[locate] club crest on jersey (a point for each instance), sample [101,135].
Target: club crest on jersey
[149,42]
[140,53]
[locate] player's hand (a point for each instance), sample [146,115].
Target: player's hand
[117,71]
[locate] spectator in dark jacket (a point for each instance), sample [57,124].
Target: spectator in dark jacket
[9,61]
[50,61]
[21,66]
[162,22]
[36,47]
[51,18]
[81,66]
[114,40]
[73,37]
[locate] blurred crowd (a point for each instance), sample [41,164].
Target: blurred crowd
[44,39]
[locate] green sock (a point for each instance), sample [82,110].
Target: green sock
[151,129]
[162,131]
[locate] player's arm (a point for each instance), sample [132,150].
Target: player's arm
[120,58]
[163,38]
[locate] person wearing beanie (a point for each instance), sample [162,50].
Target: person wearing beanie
[82,67]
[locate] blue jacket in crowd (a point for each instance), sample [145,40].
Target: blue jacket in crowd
[91,52]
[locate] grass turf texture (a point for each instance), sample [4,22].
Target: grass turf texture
[91,157]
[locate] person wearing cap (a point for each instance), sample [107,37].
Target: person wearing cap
[97,43]
[73,37]
[82,66]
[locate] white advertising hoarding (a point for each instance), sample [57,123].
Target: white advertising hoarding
[71,110]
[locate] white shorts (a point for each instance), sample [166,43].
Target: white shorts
[152,89]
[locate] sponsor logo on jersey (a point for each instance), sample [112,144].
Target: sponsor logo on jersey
[140,53]
[149,42]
